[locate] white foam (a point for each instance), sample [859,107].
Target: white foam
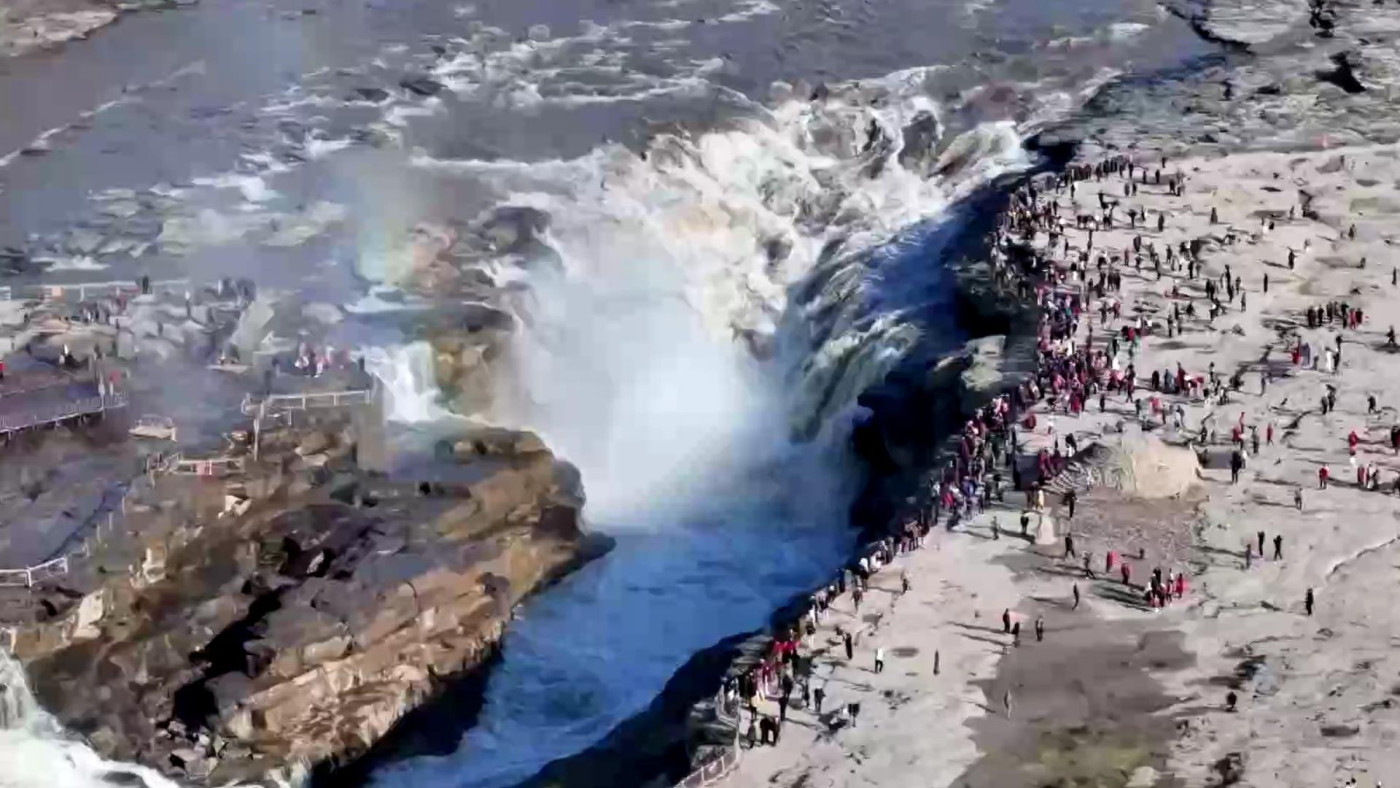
[399,115]
[748,10]
[254,188]
[317,148]
[1122,31]
[35,751]
[374,302]
[73,263]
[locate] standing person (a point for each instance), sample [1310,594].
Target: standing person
[1069,546]
[1006,621]
[1039,629]
[1278,547]
[1308,601]
[1006,701]
[1076,597]
[850,645]
[854,710]
[765,731]
[1016,634]
[1261,537]
[879,659]
[1070,498]
[1323,474]
[1298,498]
[818,695]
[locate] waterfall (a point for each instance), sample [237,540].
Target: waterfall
[36,752]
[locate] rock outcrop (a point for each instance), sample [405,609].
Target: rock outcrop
[1248,24]
[292,629]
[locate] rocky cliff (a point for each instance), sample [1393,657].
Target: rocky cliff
[258,627]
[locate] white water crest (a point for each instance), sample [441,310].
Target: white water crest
[35,751]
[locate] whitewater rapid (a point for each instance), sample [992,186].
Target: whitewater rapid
[36,751]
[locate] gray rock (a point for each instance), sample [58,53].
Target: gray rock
[375,95]
[1248,24]
[253,325]
[421,86]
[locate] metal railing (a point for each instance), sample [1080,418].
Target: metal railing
[83,290]
[99,525]
[61,411]
[275,403]
[29,576]
[713,771]
[209,466]
[716,769]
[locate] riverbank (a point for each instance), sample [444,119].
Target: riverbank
[1157,714]
[28,26]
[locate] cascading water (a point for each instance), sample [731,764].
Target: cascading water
[36,751]
[408,382]
[715,308]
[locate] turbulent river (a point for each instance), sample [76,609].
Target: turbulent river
[744,204]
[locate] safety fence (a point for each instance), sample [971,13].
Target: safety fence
[59,412]
[718,768]
[277,403]
[82,291]
[87,537]
[206,467]
[714,771]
